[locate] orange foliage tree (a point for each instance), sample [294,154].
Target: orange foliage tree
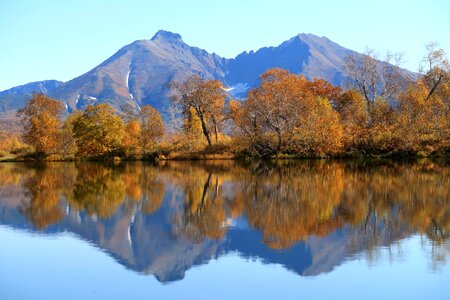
[286,114]
[207,98]
[152,128]
[41,120]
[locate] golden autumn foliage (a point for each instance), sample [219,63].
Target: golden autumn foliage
[353,113]
[98,131]
[320,132]
[143,131]
[288,114]
[324,89]
[192,126]
[10,143]
[204,97]
[131,138]
[152,128]
[421,121]
[67,139]
[41,120]
[435,71]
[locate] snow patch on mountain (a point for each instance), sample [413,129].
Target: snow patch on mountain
[127,79]
[237,90]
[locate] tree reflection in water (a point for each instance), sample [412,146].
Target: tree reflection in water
[287,202]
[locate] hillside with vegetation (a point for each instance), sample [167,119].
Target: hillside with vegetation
[285,116]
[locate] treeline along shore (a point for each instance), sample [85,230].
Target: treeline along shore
[383,113]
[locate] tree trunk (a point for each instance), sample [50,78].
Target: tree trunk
[279,143]
[216,129]
[435,85]
[204,128]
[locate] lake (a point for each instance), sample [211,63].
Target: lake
[312,229]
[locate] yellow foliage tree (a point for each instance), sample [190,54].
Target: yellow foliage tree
[98,131]
[421,120]
[207,98]
[352,109]
[131,141]
[193,125]
[286,114]
[320,132]
[152,128]
[41,120]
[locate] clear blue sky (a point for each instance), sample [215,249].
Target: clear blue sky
[55,39]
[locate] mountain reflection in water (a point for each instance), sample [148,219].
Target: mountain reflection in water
[308,216]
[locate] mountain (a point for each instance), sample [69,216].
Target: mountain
[306,54]
[138,73]
[16,97]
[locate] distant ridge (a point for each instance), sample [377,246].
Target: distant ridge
[138,73]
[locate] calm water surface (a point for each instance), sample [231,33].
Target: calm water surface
[225,230]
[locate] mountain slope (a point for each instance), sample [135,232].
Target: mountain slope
[305,54]
[16,97]
[138,73]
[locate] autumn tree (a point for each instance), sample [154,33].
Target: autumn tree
[423,114]
[324,89]
[10,142]
[285,114]
[374,78]
[143,130]
[421,119]
[131,138]
[68,146]
[272,110]
[152,128]
[352,109]
[41,120]
[192,125]
[98,131]
[319,132]
[207,98]
[435,71]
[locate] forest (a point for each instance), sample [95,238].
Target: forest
[384,112]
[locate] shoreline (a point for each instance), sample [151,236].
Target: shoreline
[230,157]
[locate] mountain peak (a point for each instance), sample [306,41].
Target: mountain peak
[166,35]
[138,73]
